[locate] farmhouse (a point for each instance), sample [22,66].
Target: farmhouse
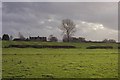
[38,38]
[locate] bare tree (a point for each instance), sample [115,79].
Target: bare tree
[68,28]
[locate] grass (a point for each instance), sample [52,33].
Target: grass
[59,63]
[78,45]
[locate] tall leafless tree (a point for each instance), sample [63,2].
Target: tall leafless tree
[68,28]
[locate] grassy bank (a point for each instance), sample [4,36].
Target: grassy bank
[78,45]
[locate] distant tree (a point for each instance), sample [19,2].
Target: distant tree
[11,37]
[109,41]
[5,37]
[68,28]
[105,40]
[21,36]
[112,41]
[27,39]
[52,38]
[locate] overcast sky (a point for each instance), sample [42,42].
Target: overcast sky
[94,20]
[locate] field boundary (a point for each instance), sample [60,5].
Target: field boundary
[39,46]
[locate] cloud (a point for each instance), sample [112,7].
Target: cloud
[93,20]
[95,31]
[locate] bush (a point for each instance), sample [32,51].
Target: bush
[118,47]
[99,47]
[5,37]
[39,46]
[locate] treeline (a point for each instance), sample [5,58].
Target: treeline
[6,37]
[52,38]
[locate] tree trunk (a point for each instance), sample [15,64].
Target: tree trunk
[68,37]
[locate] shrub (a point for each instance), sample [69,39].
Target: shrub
[99,47]
[39,46]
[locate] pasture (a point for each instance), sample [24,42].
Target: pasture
[59,63]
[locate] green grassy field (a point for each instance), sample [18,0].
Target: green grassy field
[59,63]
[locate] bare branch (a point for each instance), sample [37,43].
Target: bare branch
[68,28]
